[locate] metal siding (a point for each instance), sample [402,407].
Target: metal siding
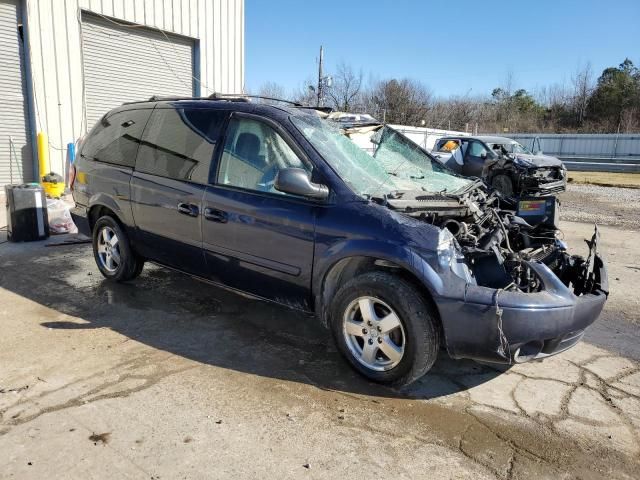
[596,144]
[123,64]
[56,54]
[590,152]
[13,110]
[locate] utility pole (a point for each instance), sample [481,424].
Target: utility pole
[320,79]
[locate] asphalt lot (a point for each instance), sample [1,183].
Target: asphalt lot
[167,377]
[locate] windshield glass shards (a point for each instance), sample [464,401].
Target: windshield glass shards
[395,163]
[404,159]
[356,167]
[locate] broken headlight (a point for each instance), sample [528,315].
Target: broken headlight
[446,248]
[450,257]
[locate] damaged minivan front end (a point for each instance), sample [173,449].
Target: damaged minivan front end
[511,290]
[505,286]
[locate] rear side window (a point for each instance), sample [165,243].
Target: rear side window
[179,143]
[116,137]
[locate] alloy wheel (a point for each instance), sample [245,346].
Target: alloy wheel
[109,249]
[374,333]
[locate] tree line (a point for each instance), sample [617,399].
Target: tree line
[609,103]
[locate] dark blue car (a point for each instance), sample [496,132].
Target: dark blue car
[397,255]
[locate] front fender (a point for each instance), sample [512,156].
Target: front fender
[400,255]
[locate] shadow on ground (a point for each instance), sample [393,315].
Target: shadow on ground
[173,312]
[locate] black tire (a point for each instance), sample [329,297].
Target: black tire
[129,265]
[419,322]
[503,184]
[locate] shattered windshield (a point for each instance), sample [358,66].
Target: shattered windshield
[402,158]
[397,163]
[511,147]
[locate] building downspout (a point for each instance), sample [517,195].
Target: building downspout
[28,80]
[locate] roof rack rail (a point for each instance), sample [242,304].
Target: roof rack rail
[246,97]
[160,98]
[229,97]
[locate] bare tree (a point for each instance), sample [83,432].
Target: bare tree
[272,90]
[403,101]
[306,93]
[582,88]
[345,89]
[610,104]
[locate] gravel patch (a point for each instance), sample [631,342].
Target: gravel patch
[603,205]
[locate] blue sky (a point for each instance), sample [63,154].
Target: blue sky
[541,42]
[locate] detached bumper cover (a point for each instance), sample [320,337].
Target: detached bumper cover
[508,327]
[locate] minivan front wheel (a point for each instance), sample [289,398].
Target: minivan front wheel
[385,328]
[112,251]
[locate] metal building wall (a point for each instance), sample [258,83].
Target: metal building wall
[56,57]
[121,65]
[16,164]
[589,151]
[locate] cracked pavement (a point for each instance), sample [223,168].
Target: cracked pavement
[168,377]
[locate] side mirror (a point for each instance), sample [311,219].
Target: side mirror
[296,182]
[483,155]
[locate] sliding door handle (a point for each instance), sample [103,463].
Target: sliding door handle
[215,215]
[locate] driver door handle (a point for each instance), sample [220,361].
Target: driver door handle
[215,215]
[188,209]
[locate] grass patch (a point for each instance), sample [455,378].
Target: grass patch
[606,179]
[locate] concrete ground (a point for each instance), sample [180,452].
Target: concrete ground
[167,377]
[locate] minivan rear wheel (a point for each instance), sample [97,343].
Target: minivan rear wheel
[385,328]
[112,251]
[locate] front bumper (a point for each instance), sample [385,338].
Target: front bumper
[541,189]
[512,327]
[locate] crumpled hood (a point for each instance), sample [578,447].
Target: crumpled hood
[540,160]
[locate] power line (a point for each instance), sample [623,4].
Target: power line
[173,47]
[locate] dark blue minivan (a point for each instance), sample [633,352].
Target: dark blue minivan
[396,254]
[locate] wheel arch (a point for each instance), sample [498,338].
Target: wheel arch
[351,266]
[101,205]
[97,211]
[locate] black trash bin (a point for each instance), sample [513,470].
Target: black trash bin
[27,218]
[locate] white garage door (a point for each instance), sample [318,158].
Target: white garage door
[125,64]
[15,160]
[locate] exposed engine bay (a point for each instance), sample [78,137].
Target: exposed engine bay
[500,238]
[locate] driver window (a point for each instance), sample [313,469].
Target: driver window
[449,146]
[253,154]
[477,149]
